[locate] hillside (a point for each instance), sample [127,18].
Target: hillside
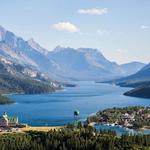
[132,67]
[137,79]
[140,81]
[74,138]
[19,51]
[15,78]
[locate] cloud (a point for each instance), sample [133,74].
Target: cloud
[65,26]
[93,11]
[144,27]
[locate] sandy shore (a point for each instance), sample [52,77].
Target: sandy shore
[44,129]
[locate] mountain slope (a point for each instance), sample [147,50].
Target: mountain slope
[15,78]
[88,64]
[140,81]
[36,46]
[143,73]
[137,79]
[24,52]
[83,64]
[131,68]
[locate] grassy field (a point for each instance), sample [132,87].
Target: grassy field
[44,129]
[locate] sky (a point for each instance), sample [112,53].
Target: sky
[120,29]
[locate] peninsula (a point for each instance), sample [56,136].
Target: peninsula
[135,117]
[4,100]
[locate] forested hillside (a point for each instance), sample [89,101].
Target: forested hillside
[73,139]
[15,78]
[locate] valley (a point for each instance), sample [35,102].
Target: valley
[28,68]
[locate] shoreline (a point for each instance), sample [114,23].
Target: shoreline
[100,123]
[57,128]
[22,93]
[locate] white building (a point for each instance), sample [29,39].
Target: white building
[8,121]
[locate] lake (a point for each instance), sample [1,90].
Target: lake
[121,130]
[57,108]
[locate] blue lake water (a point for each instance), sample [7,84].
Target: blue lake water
[57,108]
[121,130]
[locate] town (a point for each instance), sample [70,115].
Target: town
[130,117]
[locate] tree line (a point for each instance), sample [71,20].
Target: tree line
[86,138]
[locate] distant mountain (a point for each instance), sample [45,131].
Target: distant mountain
[139,78]
[62,64]
[132,67]
[143,73]
[83,64]
[140,81]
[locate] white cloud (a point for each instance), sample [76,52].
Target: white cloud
[65,26]
[144,27]
[94,11]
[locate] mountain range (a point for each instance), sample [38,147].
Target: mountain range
[133,67]
[140,81]
[62,63]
